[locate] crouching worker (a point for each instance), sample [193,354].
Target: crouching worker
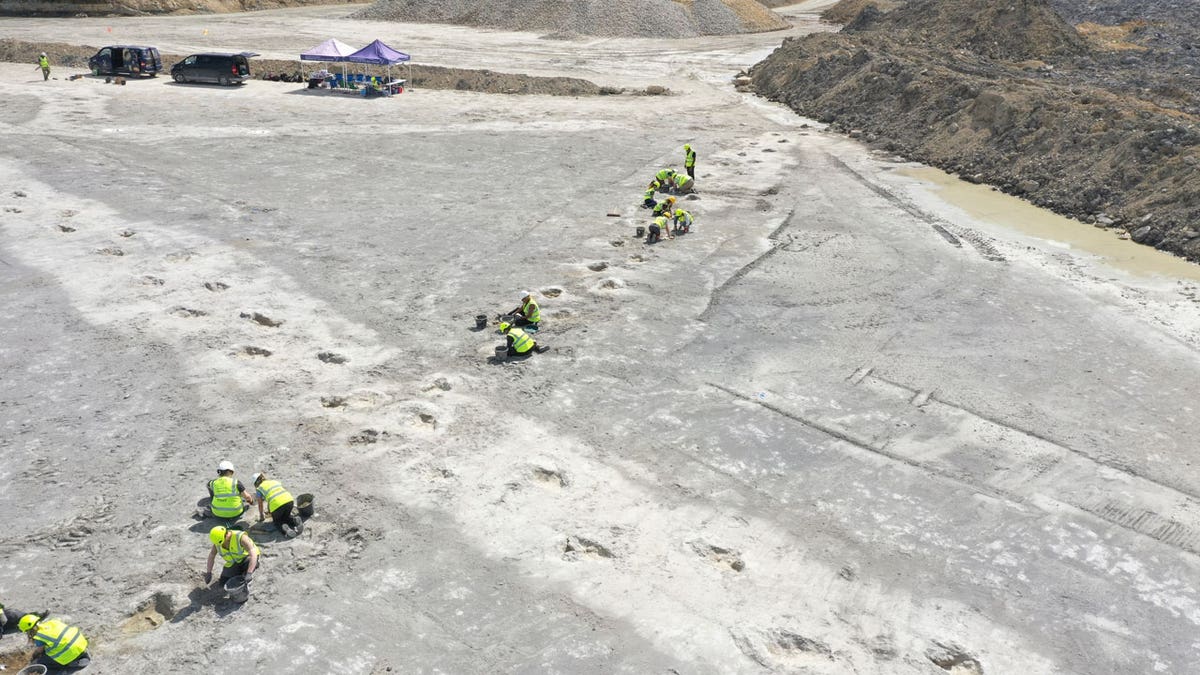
[664,207]
[59,647]
[238,551]
[656,230]
[684,184]
[519,342]
[648,197]
[273,499]
[528,313]
[683,221]
[227,493]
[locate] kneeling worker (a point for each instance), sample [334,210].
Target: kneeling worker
[272,498]
[519,342]
[227,493]
[648,197]
[238,551]
[684,183]
[59,646]
[683,221]
[664,207]
[656,230]
[528,313]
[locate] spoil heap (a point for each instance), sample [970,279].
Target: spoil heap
[607,18]
[1009,94]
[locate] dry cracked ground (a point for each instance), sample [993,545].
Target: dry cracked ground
[841,427]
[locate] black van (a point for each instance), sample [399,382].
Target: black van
[218,68]
[126,60]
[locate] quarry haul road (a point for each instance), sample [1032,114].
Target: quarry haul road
[841,427]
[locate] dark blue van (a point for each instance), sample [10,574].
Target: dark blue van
[126,60]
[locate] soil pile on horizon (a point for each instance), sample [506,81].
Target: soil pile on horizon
[1013,95]
[604,18]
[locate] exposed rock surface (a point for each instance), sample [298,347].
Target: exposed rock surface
[1011,95]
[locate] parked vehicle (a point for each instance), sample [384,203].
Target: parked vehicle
[219,68]
[126,60]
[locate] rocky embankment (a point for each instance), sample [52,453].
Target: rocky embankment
[142,7]
[1009,94]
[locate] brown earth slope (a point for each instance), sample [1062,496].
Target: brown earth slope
[997,93]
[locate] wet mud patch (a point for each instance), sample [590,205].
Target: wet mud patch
[68,213]
[428,419]
[148,280]
[367,437]
[334,401]
[251,350]
[617,242]
[66,228]
[598,266]
[577,548]
[216,286]
[152,612]
[261,319]
[721,557]
[953,659]
[552,292]
[610,285]
[19,193]
[110,250]
[12,209]
[188,313]
[637,258]
[331,357]
[551,478]
[126,233]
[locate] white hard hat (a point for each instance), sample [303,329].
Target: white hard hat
[43,53]
[255,477]
[225,465]
[525,294]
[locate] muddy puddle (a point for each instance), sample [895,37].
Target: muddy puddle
[983,203]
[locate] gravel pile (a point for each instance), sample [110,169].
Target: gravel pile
[605,18]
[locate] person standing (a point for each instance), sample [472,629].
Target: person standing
[44,64]
[274,499]
[59,646]
[227,493]
[689,161]
[236,549]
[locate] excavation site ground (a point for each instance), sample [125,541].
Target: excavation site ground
[847,424]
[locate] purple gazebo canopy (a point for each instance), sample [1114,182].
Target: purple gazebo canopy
[379,54]
[329,50]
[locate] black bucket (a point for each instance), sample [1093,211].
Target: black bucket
[35,669]
[641,232]
[481,320]
[238,589]
[304,504]
[502,353]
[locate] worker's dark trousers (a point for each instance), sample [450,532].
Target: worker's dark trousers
[45,74]
[239,569]
[287,514]
[55,667]
[692,172]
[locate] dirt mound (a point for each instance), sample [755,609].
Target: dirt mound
[607,18]
[1032,114]
[846,11]
[1014,29]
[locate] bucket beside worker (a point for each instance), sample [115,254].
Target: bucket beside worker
[481,321]
[35,669]
[304,504]
[641,231]
[502,353]
[238,589]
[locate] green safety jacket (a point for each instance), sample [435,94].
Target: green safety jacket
[44,62]
[690,159]
[661,222]
[226,502]
[663,175]
[272,492]
[682,216]
[235,553]
[63,643]
[532,312]
[521,340]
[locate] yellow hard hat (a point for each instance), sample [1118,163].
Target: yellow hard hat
[27,622]
[217,535]
[670,200]
[504,326]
